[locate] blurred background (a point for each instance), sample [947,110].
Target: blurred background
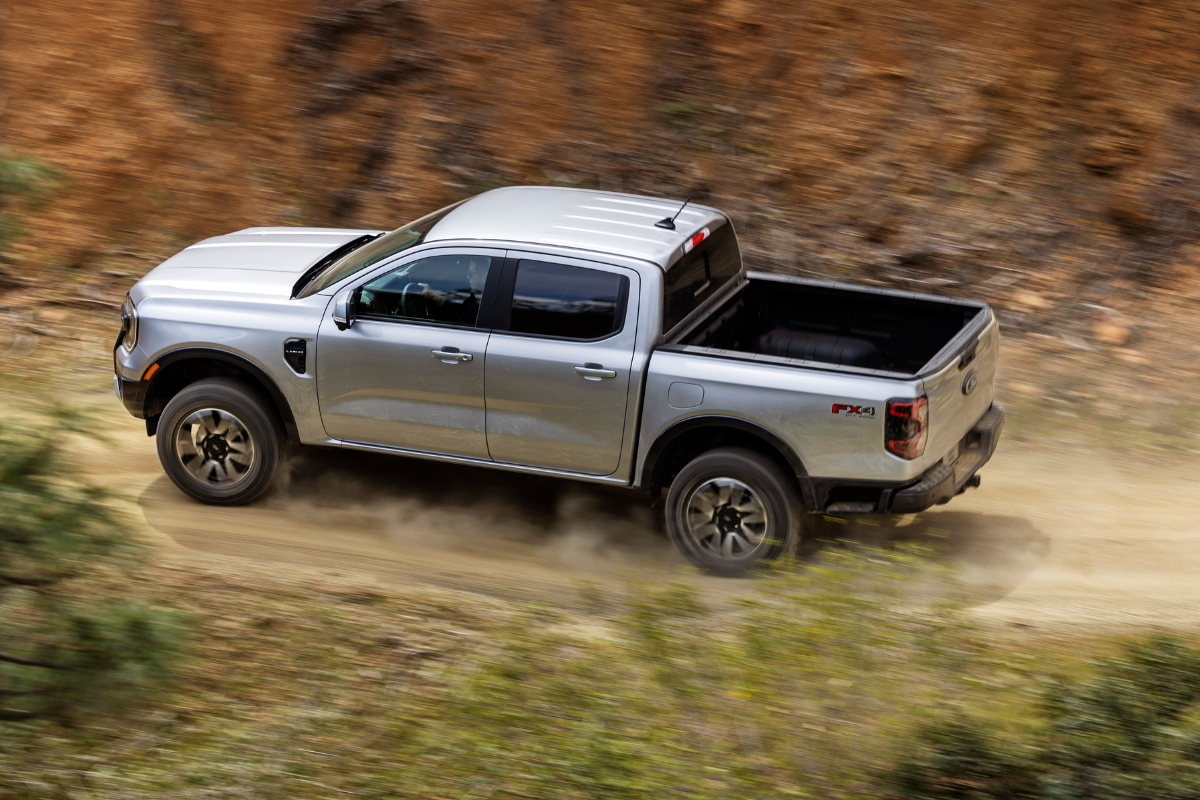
[1040,155]
[349,635]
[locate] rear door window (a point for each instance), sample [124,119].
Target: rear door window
[567,302]
[700,274]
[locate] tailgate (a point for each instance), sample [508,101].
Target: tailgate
[961,392]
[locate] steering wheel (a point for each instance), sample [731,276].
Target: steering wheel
[404,297]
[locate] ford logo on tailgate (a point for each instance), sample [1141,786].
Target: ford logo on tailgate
[970,382]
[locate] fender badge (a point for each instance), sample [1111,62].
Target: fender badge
[969,383]
[845,409]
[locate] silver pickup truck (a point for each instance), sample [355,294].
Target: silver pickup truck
[588,335]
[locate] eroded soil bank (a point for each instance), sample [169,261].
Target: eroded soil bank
[1039,154]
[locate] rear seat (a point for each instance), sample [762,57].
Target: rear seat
[827,348]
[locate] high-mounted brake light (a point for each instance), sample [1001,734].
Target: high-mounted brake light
[696,239]
[907,427]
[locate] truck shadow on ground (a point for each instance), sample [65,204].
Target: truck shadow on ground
[403,505]
[990,555]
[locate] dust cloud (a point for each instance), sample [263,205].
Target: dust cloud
[423,504]
[1052,539]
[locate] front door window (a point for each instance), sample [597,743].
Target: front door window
[445,289]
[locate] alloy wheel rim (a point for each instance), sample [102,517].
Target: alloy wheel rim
[727,518]
[215,447]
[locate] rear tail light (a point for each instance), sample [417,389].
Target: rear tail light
[907,427]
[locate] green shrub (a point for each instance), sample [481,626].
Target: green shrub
[1130,730]
[960,760]
[21,177]
[65,642]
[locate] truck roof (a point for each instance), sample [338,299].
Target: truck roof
[605,222]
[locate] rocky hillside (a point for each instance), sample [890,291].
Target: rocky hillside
[1045,152]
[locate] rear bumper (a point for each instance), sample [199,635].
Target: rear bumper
[937,486]
[945,481]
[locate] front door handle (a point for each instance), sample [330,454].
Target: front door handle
[594,372]
[450,355]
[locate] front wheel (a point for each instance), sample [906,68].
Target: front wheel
[731,509]
[219,442]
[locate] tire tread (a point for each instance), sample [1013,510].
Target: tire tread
[249,406]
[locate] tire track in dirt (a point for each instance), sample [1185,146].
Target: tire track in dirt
[1054,539]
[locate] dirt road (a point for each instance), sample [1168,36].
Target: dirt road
[1055,537]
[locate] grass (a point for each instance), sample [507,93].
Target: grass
[858,677]
[677,112]
[302,688]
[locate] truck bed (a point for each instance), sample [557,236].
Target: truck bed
[836,325]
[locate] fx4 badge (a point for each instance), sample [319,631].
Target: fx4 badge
[844,409]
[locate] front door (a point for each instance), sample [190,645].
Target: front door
[409,372]
[558,364]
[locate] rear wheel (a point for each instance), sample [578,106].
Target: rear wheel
[219,442]
[731,509]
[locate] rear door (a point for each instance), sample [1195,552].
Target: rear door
[558,363]
[409,372]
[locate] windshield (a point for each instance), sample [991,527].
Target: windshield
[384,247]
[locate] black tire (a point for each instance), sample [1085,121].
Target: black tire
[732,550]
[236,478]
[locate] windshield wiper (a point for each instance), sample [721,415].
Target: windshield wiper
[336,255]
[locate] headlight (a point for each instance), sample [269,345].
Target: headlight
[129,326]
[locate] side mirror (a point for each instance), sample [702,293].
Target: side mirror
[343,310]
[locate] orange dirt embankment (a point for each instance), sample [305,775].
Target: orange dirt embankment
[1044,152]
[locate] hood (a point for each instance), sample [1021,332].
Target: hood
[256,261]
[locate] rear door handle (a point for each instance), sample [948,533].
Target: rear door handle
[450,355]
[594,372]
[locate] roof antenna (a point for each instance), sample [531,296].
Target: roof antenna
[669,222]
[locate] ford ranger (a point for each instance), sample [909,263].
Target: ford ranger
[582,334]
